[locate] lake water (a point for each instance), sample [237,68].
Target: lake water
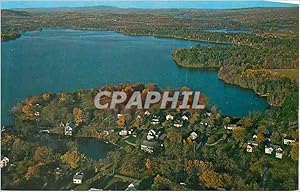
[93,148]
[146,4]
[65,60]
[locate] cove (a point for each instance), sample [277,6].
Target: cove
[93,148]
[55,60]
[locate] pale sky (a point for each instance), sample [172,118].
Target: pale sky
[160,0]
[283,1]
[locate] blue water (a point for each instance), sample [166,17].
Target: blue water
[145,4]
[65,60]
[228,31]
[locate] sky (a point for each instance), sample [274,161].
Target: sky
[283,1]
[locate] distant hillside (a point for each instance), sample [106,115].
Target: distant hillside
[13,13]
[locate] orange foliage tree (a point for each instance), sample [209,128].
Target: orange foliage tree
[73,159]
[32,171]
[41,154]
[77,115]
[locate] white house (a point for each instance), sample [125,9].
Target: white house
[279,153]
[106,132]
[193,135]
[147,113]
[254,136]
[4,162]
[169,117]
[249,148]
[69,128]
[230,126]
[151,135]
[185,118]
[268,150]
[208,114]
[133,186]
[119,115]
[254,143]
[155,121]
[148,146]
[78,177]
[178,124]
[123,132]
[3,128]
[288,141]
[58,171]
[44,131]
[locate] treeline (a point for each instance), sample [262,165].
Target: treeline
[11,35]
[185,24]
[264,83]
[244,66]
[282,55]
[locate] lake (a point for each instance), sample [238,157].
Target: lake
[65,60]
[226,4]
[93,148]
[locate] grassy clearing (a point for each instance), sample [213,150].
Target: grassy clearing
[289,73]
[293,74]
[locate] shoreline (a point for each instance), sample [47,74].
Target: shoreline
[264,96]
[123,33]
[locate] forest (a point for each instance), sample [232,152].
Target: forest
[217,159]
[249,66]
[173,23]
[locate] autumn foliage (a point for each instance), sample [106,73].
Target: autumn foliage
[77,115]
[205,172]
[73,159]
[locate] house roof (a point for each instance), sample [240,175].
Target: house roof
[149,143]
[152,132]
[289,138]
[194,134]
[184,117]
[71,125]
[277,147]
[252,142]
[78,176]
[133,186]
